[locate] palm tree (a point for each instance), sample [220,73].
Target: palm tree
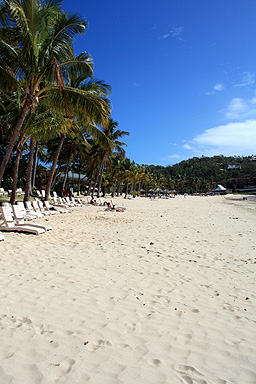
[36,39]
[103,153]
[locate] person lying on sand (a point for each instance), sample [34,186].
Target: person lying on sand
[114,208]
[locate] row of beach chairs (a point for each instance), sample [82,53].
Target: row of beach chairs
[18,217]
[19,192]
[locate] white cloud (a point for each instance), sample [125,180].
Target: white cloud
[235,108]
[240,108]
[218,87]
[247,80]
[235,136]
[187,146]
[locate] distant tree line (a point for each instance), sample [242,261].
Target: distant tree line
[200,175]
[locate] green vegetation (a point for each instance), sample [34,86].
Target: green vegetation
[200,175]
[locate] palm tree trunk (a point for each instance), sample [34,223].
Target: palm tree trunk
[34,165]
[29,171]
[13,140]
[15,177]
[96,180]
[126,193]
[67,168]
[114,189]
[101,173]
[49,182]
[79,181]
[118,190]
[90,186]
[56,174]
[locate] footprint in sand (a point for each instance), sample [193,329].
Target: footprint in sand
[190,375]
[65,367]
[154,362]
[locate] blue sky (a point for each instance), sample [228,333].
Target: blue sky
[183,74]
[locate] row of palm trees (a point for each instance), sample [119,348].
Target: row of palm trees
[48,94]
[51,103]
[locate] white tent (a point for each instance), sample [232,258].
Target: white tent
[219,189]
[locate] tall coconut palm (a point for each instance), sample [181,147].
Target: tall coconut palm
[113,135]
[36,39]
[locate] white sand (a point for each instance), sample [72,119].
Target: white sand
[161,293]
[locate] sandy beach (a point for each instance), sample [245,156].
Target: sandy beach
[161,293]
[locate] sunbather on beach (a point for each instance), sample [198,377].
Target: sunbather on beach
[114,208]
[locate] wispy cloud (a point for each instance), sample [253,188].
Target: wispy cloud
[239,108]
[218,87]
[175,32]
[248,79]
[174,156]
[187,146]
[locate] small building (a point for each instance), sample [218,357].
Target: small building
[219,190]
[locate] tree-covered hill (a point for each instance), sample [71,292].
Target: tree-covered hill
[201,174]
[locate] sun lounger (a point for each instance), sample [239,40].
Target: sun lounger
[45,211]
[3,192]
[25,211]
[30,209]
[58,204]
[52,208]
[9,224]
[19,213]
[69,202]
[18,218]
[76,203]
[35,205]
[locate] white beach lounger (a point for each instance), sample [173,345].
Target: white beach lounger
[63,203]
[18,217]
[19,213]
[68,201]
[52,208]
[25,211]
[46,211]
[58,204]
[77,204]
[30,209]
[11,226]
[36,207]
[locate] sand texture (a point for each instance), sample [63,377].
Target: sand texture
[161,293]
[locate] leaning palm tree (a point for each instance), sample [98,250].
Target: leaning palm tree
[113,135]
[36,39]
